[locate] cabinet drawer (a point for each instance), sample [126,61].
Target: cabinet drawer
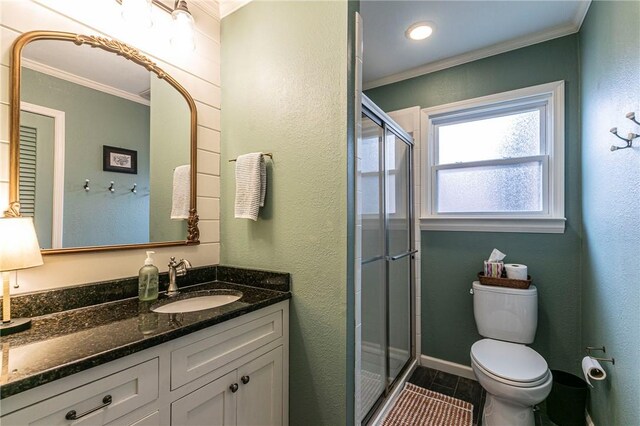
[197,359]
[129,389]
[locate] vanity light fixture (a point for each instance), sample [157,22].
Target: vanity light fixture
[419,31]
[183,27]
[183,31]
[19,249]
[137,12]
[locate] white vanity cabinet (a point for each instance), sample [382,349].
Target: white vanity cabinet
[249,395]
[233,373]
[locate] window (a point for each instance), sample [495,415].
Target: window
[496,163]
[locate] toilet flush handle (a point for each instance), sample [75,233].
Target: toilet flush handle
[470,291]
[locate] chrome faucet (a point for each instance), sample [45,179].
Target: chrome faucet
[176,269]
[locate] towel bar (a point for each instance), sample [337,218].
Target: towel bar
[268,154]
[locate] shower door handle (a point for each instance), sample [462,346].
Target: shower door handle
[400,256]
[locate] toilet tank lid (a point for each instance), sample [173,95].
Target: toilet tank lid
[531,291]
[511,361]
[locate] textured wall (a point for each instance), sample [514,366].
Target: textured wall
[284,90]
[450,260]
[93,119]
[611,206]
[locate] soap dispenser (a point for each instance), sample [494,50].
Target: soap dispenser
[148,280]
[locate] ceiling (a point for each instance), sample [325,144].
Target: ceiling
[87,63]
[464,31]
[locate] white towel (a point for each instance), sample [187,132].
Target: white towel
[181,200]
[251,185]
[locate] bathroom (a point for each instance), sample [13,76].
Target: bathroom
[281,78]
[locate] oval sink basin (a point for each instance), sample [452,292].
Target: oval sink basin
[198,302]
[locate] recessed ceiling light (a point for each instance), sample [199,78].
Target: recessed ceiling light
[419,31]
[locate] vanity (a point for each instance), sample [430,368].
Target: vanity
[121,363]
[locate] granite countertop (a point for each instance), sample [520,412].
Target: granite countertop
[63,343]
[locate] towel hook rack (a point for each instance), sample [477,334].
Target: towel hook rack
[86,185]
[111,187]
[266,154]
[134,190]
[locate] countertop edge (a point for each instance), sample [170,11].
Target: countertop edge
[24,384]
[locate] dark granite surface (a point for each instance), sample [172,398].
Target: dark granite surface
[70,341]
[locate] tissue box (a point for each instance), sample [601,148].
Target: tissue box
[493,269]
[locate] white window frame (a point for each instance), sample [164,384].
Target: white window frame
[546,97]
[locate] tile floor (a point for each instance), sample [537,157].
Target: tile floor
[449,384]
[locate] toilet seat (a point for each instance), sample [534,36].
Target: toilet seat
[510,363]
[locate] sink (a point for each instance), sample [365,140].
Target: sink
[198,301]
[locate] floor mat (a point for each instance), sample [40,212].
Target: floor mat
[417,406]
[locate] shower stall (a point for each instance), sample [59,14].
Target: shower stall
[386,262]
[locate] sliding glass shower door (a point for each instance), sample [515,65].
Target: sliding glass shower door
[387,248]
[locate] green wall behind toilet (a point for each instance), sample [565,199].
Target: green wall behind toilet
[451,260]
[610,68]
[94,119]
[284,90]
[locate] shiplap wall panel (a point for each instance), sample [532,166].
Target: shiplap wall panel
[198,72]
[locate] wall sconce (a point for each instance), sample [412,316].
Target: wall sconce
[183,31]
[183,27]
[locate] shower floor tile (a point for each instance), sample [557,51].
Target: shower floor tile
[449,384]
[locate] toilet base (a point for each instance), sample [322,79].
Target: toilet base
[498,412]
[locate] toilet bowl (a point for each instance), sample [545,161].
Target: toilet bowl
[515,377]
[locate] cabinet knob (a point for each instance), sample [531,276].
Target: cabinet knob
[234,387]
[245,379]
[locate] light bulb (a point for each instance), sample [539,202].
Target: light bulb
[419,31]
[137,12]
[183,30]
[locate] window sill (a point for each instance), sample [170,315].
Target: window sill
[529,225]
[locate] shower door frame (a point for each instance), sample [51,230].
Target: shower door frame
[375,114]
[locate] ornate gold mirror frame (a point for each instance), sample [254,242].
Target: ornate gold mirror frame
[127,52]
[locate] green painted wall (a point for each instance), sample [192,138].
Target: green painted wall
[170,131]
[94,119]
[284,90]
[610,68]
[43,218]
[450,260]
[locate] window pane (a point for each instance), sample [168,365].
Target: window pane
[514,135]
[501,188]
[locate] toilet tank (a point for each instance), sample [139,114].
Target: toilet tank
[508,314]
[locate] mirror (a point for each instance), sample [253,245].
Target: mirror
[103,145]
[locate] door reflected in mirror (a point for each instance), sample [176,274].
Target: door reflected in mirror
[100,137]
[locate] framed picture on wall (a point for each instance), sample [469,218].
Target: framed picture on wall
[119,160]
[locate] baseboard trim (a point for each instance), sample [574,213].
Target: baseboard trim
[589,419]
[391,399]
[447,367]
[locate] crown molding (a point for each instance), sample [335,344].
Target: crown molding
[82,81]
[486,52]
[227,7]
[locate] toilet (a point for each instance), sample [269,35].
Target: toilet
[515,376]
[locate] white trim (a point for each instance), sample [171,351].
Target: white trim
[588,418]
[82,81]
[391,399]
[58,167]
[551,220]
[447,367]
[486,52]
[532,225]
[230,6]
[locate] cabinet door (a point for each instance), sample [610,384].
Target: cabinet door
[260,393]
[212,405]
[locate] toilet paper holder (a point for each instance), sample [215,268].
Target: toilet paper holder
[602,349]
